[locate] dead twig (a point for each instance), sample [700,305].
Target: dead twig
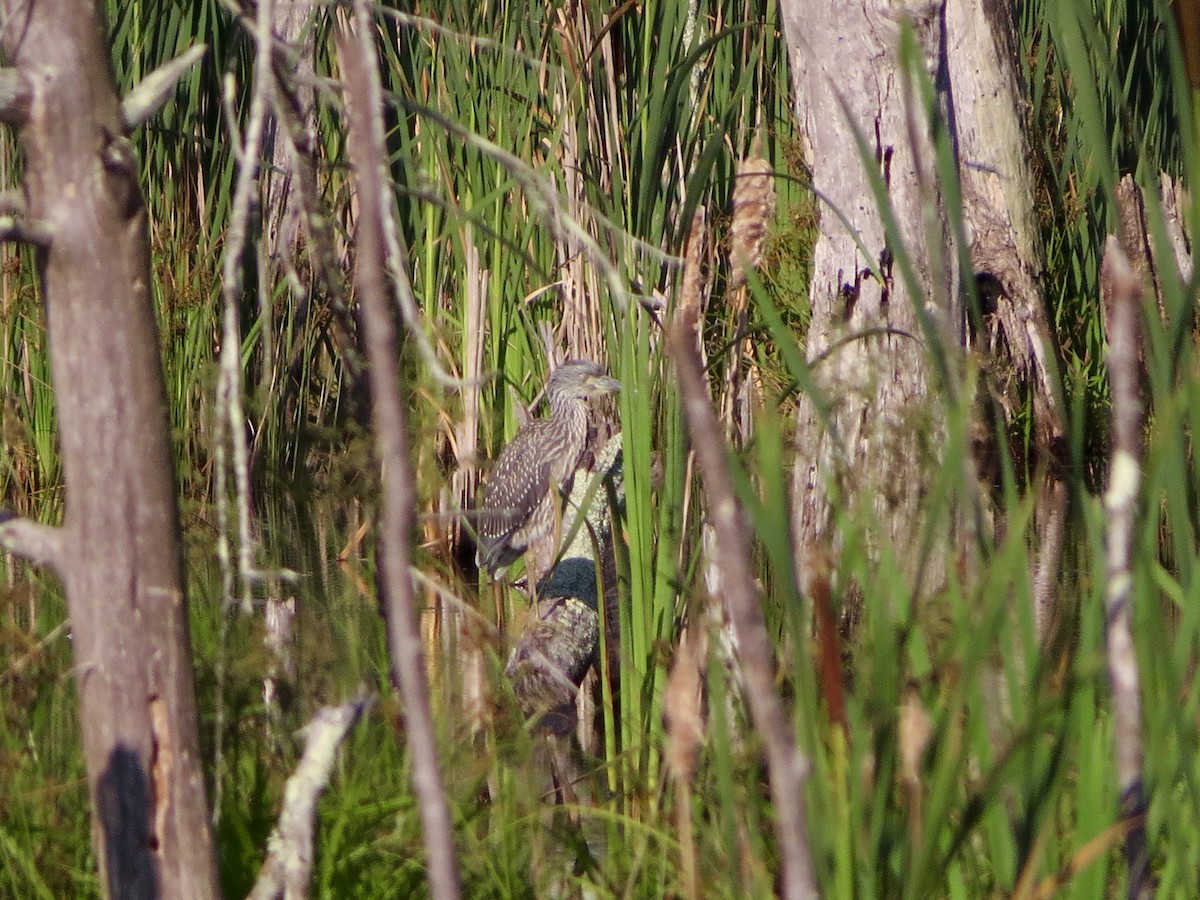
[364,119]
[786,766]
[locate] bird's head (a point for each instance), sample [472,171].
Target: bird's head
[578,380]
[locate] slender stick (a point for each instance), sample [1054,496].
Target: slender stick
[1122,290]
[287,871]
[786,766]
[364,104]
[229,385]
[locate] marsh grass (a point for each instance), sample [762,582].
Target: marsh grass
[970,762]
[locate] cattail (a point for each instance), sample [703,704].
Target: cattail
[682,702]
[916,729]
[685,733]
[915,732]
[693,291]
[753,209]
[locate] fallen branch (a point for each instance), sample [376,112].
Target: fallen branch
[288,866]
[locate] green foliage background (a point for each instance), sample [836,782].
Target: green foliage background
[481,95]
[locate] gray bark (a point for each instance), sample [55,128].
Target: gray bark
[869,442]
[1001,224]
[118,550]
[1015,346]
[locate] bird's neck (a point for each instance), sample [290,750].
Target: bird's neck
[567,407]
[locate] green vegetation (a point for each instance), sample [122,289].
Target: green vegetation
[972,764]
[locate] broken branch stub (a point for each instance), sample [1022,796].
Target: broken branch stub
[32,541]
[152,92]
[16,93]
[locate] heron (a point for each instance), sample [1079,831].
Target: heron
[525,487]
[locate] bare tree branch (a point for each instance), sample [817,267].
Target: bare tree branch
[229,384]
[357,57]
[786,766]
[1122,290]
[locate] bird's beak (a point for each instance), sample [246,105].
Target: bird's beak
[605,384]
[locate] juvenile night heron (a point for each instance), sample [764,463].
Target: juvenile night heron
[519,503]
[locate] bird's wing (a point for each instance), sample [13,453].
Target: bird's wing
[517,484]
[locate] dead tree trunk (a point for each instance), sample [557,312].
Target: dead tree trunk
[998,208]
[284,208]
[872,447]
[869,442]
[118,550]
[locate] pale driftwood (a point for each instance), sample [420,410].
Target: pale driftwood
[118,551]
[287,870]
[787,767]
[1122,289]
[364,119]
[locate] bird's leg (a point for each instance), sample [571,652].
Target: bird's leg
[558,498]
[498,604]
[543,553]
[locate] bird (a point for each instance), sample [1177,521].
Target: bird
[519,501]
